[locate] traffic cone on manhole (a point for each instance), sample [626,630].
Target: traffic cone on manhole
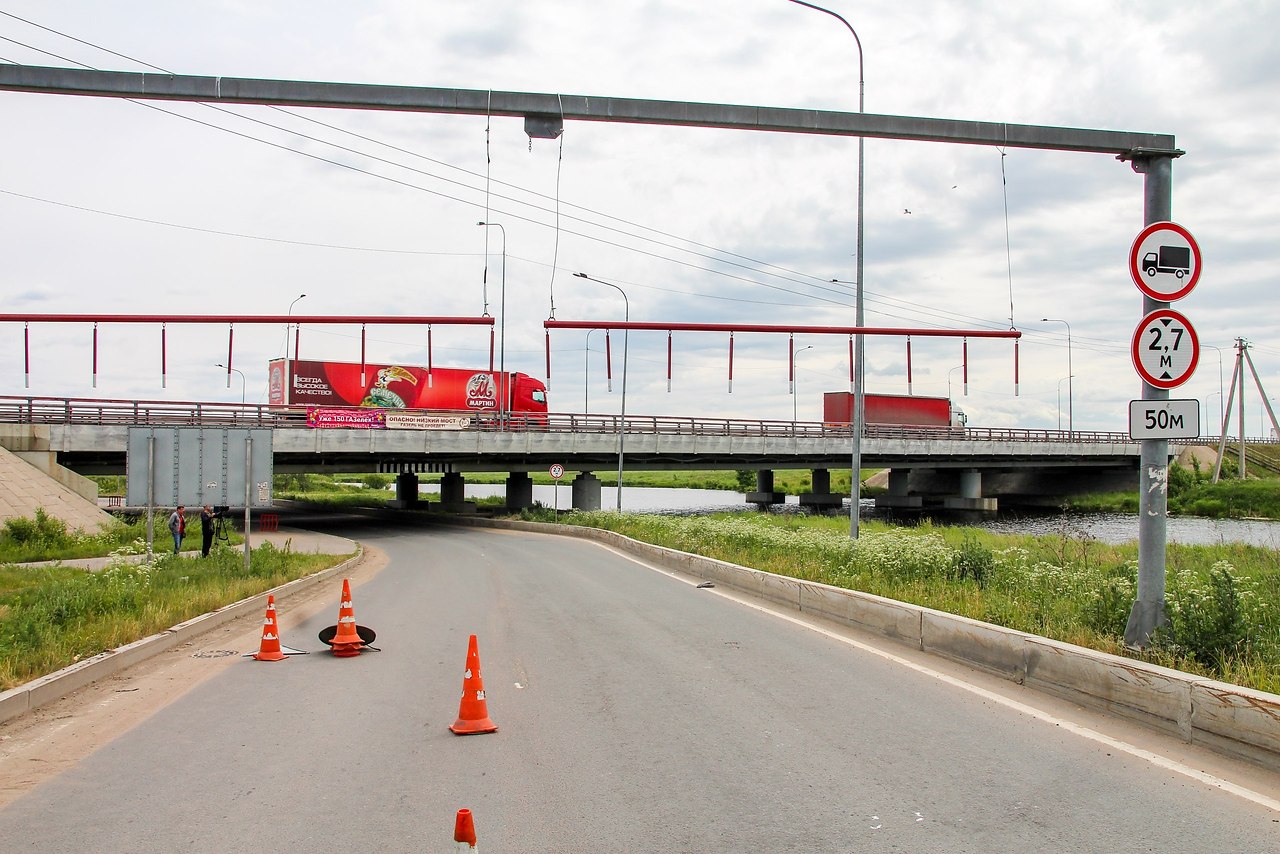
[269,649]
[345,641]
[473,711]
[464,832]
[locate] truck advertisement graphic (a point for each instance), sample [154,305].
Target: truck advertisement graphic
[336,384]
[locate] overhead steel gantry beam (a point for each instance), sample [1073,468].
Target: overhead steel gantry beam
[479,102]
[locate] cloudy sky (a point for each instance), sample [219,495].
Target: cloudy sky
[109,206]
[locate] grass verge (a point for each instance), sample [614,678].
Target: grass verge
[51,617]
[1223,622]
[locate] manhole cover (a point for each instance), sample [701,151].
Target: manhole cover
[215,653]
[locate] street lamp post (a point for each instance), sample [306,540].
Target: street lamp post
[1208,398]
[859,341]
[795,382]
[502,325]
[1071,423]
[1221,405]
[949,373]
[241,373]
[288,381]
[1060,382]
[622,415]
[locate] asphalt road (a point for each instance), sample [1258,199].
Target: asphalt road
[637,713]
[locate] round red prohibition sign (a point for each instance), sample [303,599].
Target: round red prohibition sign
[1164,261]
[1165,349]
[557,471]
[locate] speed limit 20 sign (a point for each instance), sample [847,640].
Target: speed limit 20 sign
[1165,349]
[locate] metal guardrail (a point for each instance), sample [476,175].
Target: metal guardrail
[106,412]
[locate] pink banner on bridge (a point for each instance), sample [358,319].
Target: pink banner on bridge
[365,418]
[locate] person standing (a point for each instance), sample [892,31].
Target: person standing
[178,527]
[206,530]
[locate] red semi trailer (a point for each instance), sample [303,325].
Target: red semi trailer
[901,410]
[312,383]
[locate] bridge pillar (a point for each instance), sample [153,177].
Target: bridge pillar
[519,491]
[406,491]
[897,497]
[452,491]
[586,491]
[821,497]
[764,494]
[970,497]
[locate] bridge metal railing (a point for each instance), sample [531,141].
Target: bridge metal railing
[107,412]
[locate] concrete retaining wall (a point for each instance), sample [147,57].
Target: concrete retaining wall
[47,462]
[1225,718]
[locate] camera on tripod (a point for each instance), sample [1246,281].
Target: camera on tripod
[221,513]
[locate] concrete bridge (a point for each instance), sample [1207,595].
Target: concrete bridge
[955,468]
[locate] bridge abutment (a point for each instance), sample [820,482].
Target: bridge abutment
[586,491]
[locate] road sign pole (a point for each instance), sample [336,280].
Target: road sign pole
[1148,612]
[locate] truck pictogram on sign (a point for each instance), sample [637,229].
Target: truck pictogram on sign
[1170,259]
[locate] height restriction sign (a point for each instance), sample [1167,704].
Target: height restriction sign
[1165,349]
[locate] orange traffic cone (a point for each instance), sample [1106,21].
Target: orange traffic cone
[346,642]
[473,711]
[269,649]
[464,832]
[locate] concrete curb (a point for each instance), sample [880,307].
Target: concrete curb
[24,698]
[1227,719]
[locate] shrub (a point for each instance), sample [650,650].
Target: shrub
[1210,613]
[973,561]
[377,481]
[44,530]
[1106,606]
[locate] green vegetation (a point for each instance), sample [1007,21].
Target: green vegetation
[1223,620]
[1191,493]
[337,490]
[54,616]
[46,538]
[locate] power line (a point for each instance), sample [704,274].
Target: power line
[236,234]
[757,263]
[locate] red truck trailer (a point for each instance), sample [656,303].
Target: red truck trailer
[903,410]
[312,383]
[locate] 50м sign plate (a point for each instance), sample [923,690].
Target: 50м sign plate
[1164,419]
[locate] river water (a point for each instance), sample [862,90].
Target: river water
[1104,527]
